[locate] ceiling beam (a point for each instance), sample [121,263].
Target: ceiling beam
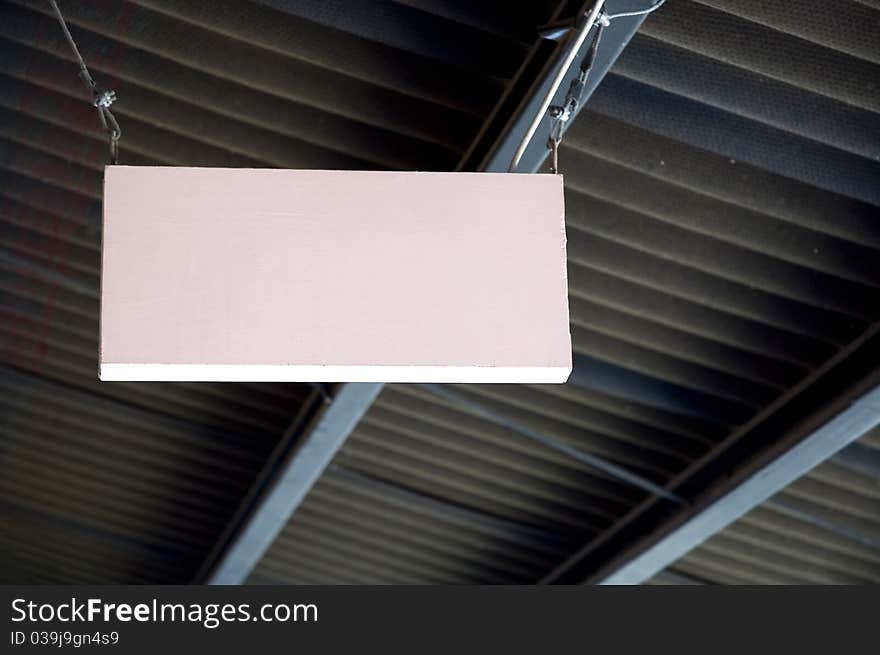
[860,417]
[305,452]
[828,410]
[286,480]
[526,96]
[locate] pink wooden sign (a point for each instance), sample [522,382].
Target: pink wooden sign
[288,275]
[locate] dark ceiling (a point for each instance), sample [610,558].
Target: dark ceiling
[724,246]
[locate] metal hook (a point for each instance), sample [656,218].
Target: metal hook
[559,115]
[114,149]
[553,145]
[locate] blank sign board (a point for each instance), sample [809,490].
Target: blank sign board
[283,275]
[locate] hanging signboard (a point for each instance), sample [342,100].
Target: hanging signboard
[286,275]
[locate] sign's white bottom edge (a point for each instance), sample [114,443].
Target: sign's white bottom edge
[295,373]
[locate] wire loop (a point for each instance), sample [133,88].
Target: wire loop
[100,99]
[553,145]
[562,114]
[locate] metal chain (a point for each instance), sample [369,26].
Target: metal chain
[100,99]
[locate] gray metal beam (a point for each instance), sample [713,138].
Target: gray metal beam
[284,484]
[615,37]
[847,426]
[270,510]
[827,410]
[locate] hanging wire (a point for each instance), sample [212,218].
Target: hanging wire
[575,46]
[100,99]
[562,113]
[642,12]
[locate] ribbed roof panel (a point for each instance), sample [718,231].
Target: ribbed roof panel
[124,482]
[822,529]
[722,213]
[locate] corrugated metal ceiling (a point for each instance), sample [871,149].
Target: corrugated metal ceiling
[722,192]
[823,529]
[135,482]
[723,234]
